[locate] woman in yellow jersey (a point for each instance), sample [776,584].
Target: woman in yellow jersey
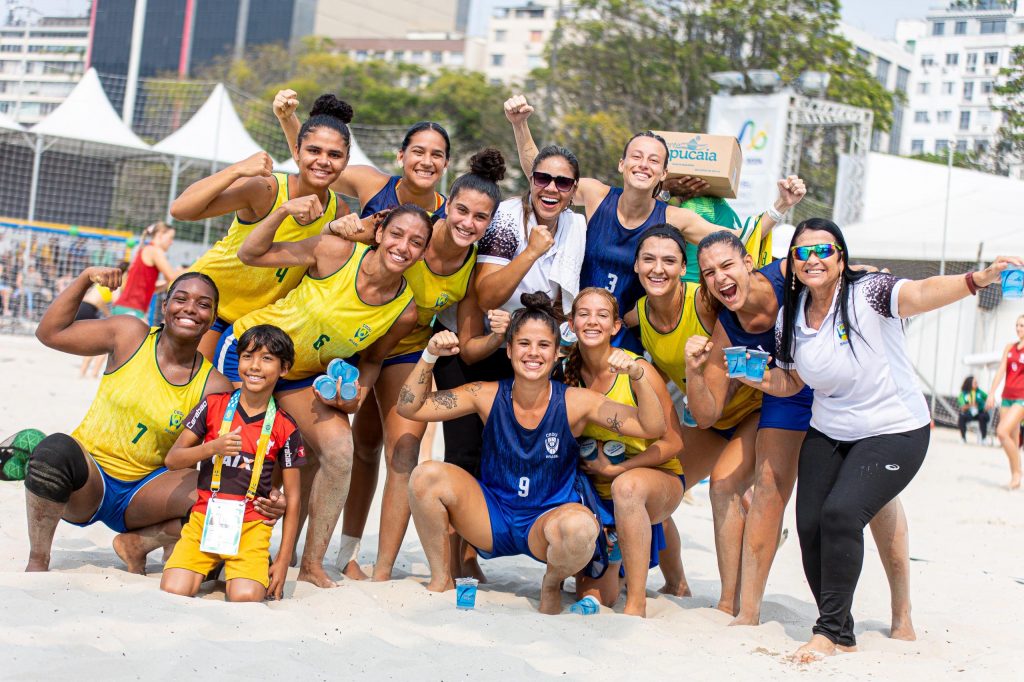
[641,491]
[301,204]
[110,468]
[354,300]
[668,315]
[438,282]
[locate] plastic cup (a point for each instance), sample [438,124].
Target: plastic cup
[614,451]
[326,386]
[587,606]
[736,356]
[588,449]
[756,364]
[615,554]
[339,369]
[465,593]
[688,419]
[1013,283]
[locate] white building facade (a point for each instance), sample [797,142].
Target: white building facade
[40,64]
[517,36]
[958,52]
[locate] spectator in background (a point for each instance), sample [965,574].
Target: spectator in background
[30,284]
[149,263]
[971,402]
[7,282]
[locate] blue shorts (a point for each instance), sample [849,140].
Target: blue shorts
[510,528]
[412,357]
[220,325]
[225,358]
[117,495]
[657,533]
[790,414]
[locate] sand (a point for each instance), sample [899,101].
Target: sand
[88,618]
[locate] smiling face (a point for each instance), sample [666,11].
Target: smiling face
[549,202]
[469,214]
[659,266]
[323,155]
[402,242]
[726,272]
[594,320]
[424,160]
[643,167]
[815,272]
[533,351]
[259,368]
[189,309]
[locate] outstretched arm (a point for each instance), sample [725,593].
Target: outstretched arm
[517,111]
[924,295]
[243,186]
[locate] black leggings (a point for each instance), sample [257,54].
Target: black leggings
[965,417]
[840,488]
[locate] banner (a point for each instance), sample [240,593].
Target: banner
[759,123]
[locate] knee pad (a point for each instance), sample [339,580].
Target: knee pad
[56,468]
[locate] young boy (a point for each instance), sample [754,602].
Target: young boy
[226,432]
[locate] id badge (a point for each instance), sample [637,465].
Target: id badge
[222,529]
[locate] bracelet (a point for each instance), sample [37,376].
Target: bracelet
[972,286]
[642,371]
[330,228]
[774,214]
[428,357]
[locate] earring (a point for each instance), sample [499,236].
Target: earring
[792,284]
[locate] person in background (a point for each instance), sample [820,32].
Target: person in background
[971,402]
[149,264]
[1011,409]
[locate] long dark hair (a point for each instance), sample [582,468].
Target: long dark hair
[729,238]
[968,384]
[548,152]
[486,170]
[536,306]
[328,112]
[794,287]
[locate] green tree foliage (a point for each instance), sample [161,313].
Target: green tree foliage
[1010,88]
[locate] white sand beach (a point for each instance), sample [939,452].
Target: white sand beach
[88,619]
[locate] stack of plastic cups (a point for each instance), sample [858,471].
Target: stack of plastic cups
[338,369]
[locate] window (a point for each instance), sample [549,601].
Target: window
[927,60]
[943,116]
[437,57]
[968,90]
[499,35]
[960,28]
[991,58]
[939,28]
[536,36]
[972,62]
[497,60]
[941,146]
[398,55]
[902,79]
[984,118]
[10,48]
[917,146]
[920,117]
[417,55]
[534,61]
[961,146]
[4,107]
[361,55]
[457,59]
[986,87]
[922,88]
[882,71]
[47,107]
[947,87]
[981,146]
[991,26]
[965,120]
[952,59]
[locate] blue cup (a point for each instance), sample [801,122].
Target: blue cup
[588,449]
[688,418]
[587,606]
[614,451]
[736,357]
[465,593]
[1013,282]
[756,364]
[326,386]
[348,374]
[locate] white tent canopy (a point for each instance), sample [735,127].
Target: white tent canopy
[356,157]
[904,210]
[87,115]
[8,123]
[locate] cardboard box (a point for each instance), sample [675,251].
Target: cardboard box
[717,159]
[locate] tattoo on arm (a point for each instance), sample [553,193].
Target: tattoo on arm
[424,376]
[405,396]
[474,387]
[614,423]
[444,400]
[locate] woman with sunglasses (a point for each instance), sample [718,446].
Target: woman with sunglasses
[841,333]
[616,216]
[747,303]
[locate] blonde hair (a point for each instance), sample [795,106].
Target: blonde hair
[574,359]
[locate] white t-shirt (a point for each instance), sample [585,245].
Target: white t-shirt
[871,393]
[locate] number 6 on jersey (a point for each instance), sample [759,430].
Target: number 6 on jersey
[524,487]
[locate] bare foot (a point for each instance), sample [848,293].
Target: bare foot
[129,548]
[550,596]
[726,607]
[315,574]
[815,650]
[902,628]
[38,564]
[744,619]
[381,574]
[1015,482]
[634,610]
[441,585]
[846,649]
[353,571]
[680,589]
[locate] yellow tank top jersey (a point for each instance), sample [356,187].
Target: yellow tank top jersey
[668,355]
[326,319]
[622,392]
[136,415]
[433,293]
[245,288]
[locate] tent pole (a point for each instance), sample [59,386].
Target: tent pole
[33,190]
[134,57]
[175,169]
[942,271]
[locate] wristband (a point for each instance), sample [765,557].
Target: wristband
[972,286]
[428,357]
[774,214]
[642,372]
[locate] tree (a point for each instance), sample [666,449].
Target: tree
[1010,88]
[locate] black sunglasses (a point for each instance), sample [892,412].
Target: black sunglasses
[562,183]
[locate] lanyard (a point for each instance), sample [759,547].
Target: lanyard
[261,448]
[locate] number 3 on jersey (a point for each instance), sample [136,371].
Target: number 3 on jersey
[613,280]
[524,487]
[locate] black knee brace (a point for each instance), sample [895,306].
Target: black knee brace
[56,468]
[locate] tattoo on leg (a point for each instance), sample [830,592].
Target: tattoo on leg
[444,400]
[614,423]
[405,396]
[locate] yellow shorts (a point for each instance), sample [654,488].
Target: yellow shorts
[252,560]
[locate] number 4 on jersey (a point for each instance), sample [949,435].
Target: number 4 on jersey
[280,274]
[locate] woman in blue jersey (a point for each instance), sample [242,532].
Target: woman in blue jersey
[424,156]
[616,216]
[747,303]
[526,500]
